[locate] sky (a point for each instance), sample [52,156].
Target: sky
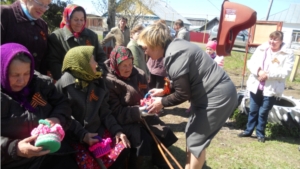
[210,8]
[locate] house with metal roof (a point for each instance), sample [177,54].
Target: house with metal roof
[157,10]
[164,11]
[291,23]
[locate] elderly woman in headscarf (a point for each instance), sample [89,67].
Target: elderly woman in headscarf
[72,33]
[127,86]
[83,84]
[27,97]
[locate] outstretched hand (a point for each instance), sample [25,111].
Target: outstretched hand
[156,106]
[157,92]
[88,138]
[25,149]
[122,136]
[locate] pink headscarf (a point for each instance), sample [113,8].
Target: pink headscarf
[67,18]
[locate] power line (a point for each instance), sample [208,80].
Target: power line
[214,5]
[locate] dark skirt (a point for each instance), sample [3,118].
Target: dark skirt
[206,121]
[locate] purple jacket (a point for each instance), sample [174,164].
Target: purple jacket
[16,27]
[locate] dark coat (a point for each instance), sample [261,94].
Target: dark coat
[61,40]
[124,101]
[198,78]
[16,27]
[17,122]
[89,107]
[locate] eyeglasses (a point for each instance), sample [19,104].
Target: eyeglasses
[41,4]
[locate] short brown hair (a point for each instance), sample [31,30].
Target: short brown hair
[123,18]
[277,34]
[136,29]
[179,22]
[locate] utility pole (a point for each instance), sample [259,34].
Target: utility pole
[270,6]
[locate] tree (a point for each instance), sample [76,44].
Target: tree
[7,2]
[53,16]
[133,10]
[109,7]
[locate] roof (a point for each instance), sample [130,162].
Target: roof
[163,11]
[93,16]
[166,12]
[210,24]
[196,19]
[290,15]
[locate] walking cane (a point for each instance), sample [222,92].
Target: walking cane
[160,145]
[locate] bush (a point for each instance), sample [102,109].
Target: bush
[240,119]
[276,130]
[272,130]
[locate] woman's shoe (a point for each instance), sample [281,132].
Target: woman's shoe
[244,134]
[261,139]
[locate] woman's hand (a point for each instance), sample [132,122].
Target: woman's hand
[25,149]
[122,136]
[262,75]
[157,92]
[88,138]
[53,121]
[156,106]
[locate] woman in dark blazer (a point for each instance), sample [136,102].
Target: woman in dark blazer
[195,77]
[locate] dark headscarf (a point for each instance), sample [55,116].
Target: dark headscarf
[8,52]
[77,62]
[117,56]
[66,21]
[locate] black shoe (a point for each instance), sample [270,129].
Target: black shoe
[261,139]
[244,134]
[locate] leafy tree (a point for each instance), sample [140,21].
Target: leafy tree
[7,2]
[53,16]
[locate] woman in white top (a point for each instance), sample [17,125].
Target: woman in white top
[270,65]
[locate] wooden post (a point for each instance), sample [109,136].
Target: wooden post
[296,64]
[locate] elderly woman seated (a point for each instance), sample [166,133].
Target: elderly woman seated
[26,98]
[127,86]
[86,89]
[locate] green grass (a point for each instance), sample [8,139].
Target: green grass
[229,151]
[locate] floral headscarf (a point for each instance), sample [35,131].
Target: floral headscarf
[117,56]
[77,62]
[8,52]
[66,21]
